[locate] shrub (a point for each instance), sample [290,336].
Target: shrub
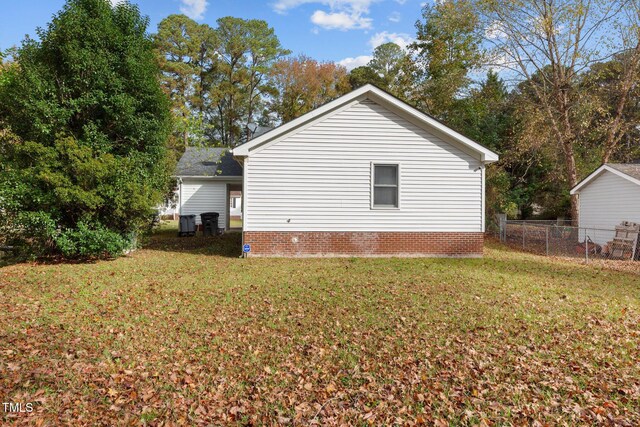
[86,241]
[86,157]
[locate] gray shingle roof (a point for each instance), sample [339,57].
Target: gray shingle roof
[199,161]
[631,169]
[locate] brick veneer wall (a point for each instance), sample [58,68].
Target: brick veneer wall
[316,243]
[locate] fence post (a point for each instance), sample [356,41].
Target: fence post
[546,232]
[502,220]
[524,226]
[586,246]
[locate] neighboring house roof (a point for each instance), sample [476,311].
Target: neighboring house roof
[631,169]
[380,97]
[208,162]
[628,171]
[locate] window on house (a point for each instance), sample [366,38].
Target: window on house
[385,186]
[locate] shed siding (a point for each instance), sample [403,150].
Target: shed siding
[319,179]
[201,195]
[608,200]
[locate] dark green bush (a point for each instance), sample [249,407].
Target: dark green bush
[84,126]
[85,242]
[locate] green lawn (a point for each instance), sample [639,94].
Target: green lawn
[186,332]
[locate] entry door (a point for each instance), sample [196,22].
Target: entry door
[234,206]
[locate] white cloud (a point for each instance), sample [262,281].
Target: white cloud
[339,21]
[194,9]
[341,14]
[401,39]
[401,1]
[282,6]
[395,17]
[358,61]
[116,2]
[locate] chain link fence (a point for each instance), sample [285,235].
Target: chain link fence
[559,238]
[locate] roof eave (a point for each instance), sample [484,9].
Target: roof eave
[218,177]
[593,175]
[486,155]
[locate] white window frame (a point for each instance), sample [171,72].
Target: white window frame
[373,182]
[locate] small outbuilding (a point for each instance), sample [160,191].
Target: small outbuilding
[609,196]
[210,180]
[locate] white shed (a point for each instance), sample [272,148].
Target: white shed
[207,179]
[365,174]
[608,196]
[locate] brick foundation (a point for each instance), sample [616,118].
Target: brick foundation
[316,243]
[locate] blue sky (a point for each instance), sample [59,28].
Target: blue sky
[344,31]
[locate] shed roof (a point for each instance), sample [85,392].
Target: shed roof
[628,171]
[631,169]
[208,162]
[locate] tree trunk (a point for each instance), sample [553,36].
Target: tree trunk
[567,141]
[572,177]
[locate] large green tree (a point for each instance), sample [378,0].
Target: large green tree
[187,53]
[219,79]
[248,49]
[86,159]
[613,106]
[395,68]
[447,48]
[363,75]
[391,68]
[549,44]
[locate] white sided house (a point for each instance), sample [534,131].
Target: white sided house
[364,175]
[608,196]
[207,179]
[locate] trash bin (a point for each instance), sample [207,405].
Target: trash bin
[209,223]
[187,225]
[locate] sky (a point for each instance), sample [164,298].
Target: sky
[343,31]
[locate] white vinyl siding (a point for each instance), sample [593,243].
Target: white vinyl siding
[319,179]
[608,200]
[202,195]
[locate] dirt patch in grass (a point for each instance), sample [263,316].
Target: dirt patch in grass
[185,332]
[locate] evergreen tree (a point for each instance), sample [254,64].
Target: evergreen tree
[447,47]
[86,159]
[363,75]
[187,53]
